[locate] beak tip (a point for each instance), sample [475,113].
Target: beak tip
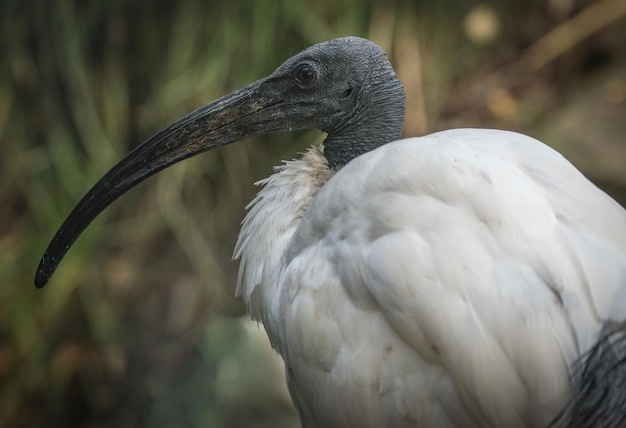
[44,272]
[41,279]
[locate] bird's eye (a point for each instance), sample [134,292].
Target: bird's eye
[305,74]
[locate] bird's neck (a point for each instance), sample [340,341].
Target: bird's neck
[378,120]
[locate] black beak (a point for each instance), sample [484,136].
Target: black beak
[250,111]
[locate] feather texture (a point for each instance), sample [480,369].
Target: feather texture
[449,280]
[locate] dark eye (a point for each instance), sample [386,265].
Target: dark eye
[305,74]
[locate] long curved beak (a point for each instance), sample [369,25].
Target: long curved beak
[247,112]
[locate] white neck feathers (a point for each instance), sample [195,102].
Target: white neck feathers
[272,219]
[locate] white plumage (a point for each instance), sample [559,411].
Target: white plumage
[447,280]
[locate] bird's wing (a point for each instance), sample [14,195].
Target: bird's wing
[486,251]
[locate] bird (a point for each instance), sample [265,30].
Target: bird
[465,278]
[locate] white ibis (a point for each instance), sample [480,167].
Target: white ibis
[468,278]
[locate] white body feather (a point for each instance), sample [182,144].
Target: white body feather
[447,280]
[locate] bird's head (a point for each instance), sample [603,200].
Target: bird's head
[344,87]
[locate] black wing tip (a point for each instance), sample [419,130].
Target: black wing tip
[599,399]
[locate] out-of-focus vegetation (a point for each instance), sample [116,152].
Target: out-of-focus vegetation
[138,327]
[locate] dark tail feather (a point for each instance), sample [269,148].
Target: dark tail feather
[599,399]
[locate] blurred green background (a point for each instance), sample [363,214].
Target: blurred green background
[139,326]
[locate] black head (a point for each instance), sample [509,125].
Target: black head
[344,87]
[347,88]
